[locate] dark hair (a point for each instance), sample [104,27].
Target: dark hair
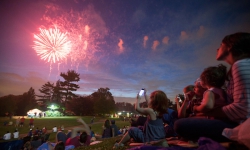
[239,43]
[112,121]
[107,123]
[214,76]
[59,146]
[83,137]
[188,88]
[159,102]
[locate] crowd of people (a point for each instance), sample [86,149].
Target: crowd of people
[217,103]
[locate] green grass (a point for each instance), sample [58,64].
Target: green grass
[68,122]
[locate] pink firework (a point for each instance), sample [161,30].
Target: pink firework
[52,45]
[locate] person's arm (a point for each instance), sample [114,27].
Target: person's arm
[144,111]
[145,96]
[182,110]
[207,103]
[84,128]
[177,103]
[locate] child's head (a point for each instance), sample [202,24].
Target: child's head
[159,102]
[198,89]
[214,76]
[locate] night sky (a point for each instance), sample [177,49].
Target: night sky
[132,44]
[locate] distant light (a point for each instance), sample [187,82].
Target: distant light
[119,113]
[52,107]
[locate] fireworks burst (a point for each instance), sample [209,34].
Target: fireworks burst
[52,45]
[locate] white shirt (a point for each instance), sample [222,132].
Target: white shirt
[7,136]
[16,135]
[54,129]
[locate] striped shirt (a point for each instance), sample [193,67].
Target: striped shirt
[238,91]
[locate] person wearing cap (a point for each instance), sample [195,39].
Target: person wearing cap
[83,139]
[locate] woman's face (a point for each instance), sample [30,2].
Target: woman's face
[222,52]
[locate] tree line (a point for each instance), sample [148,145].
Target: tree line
[61,94]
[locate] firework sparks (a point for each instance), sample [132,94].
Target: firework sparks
[52,45]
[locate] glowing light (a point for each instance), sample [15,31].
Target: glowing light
[52,45]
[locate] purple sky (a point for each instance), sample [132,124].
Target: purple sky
[132,44]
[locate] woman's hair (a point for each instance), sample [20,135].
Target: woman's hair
[239,43]
[83,137]
[159,102]
[107,123]
[188,88]
[214,76]
[59,146]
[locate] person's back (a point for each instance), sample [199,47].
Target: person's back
[16,134]
[61,136]
[7,136]
[107,132]
[114,128]
[169,119]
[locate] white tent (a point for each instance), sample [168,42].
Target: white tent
[34,113]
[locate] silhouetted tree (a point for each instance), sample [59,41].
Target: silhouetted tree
[8,104]
[68,86]
[46,92]
[57,93]
[103,101]
[83,105]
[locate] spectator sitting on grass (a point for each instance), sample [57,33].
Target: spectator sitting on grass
[7,136]
[83,139]
[106,129]
[54,129]
[114,128]
[16,134]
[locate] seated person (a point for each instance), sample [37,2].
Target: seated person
[55,146]
[179,98]
[114,128]
[54,129]
[44,130]
[169,119]
[30,133]
[93,138]
[186,109]
[61,136]
[36,142]
[16,134]
[7,136]
[10,123]
[83,139]
[106,133]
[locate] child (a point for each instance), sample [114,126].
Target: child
[212,78]
[192,98]
[153,129]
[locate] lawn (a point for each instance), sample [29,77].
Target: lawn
[67,122]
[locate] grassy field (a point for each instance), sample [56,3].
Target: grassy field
[68,123]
